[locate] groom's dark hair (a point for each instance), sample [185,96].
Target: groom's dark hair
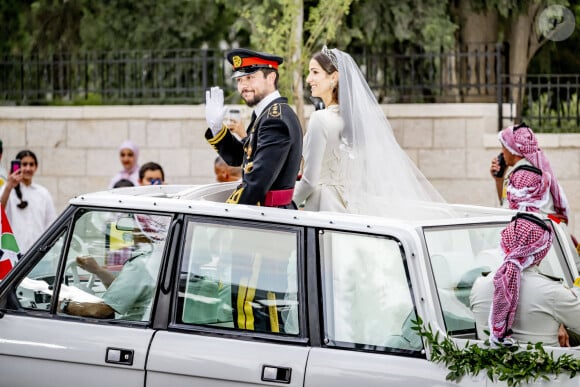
[268,71]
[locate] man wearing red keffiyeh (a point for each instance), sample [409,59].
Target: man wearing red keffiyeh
[528,189]
[520,147]
[517,302]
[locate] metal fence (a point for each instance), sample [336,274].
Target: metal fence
[127,77]
[475,73]
[467,74]
[550,103]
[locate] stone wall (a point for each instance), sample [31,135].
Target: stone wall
[452,144]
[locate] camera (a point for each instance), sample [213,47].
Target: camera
[502,166]
[14,165]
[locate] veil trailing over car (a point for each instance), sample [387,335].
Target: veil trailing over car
[381,179]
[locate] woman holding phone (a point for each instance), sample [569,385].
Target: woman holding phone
[28,205]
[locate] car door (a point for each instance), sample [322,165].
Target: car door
[237,317]
[40,345]
[367,313]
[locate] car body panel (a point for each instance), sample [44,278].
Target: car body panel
[191,359]
[330,367]
[71,353]
[48,348]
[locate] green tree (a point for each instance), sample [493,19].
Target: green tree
[155,25]
[292,29]
[13,18]
[513,22]
[376,26]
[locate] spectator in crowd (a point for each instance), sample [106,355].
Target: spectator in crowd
[3,173]
[225,172]
[28,205]
[128,155]
[123,183]
[151,174]
[517,302]
[520,147]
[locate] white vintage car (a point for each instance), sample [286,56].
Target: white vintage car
[219,294]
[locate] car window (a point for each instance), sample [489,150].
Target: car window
[35,291]
[367,299]
[239,278]
[461,254]
[121,254]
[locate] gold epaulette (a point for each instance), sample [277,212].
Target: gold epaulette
[275,111]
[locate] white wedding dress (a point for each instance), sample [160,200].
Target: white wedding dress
[321,187]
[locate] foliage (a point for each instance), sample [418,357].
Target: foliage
[559,57]
[271,26]
[422,23]
[513,365]
[90,99]
[72,25]
[546,115]
[151,24]
[13,15]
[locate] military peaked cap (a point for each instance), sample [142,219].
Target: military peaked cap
[245,62]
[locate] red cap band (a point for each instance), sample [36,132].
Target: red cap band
[252,61]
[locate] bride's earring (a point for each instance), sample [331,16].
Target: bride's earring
[332,84]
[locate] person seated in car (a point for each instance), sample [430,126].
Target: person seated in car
[129,294]
[517,302]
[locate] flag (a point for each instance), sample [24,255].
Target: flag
[9,251]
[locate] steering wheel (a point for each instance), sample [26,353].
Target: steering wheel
[79,248]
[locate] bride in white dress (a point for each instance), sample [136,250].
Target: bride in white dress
[321,187]
[352,161]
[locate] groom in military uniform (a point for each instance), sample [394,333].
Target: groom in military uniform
[271,153]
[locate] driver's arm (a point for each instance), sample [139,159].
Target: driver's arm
[90,309]
[89,264]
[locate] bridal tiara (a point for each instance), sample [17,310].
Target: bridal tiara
[330,55]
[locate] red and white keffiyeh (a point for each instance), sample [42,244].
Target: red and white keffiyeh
[525,243]
[521,141]
[528,189]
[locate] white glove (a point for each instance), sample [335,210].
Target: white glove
[215,110]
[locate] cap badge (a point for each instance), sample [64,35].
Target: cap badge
[236,61]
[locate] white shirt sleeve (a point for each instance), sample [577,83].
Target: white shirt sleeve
[566,304]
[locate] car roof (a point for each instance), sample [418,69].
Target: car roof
[209,199]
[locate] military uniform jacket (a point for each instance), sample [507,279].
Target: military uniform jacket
[269,156]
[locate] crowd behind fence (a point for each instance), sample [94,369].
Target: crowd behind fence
[476,73]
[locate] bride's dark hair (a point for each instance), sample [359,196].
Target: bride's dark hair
[24,153]
[326,63]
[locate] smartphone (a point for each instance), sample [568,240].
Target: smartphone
[14,165]
[234,115]
[502,166]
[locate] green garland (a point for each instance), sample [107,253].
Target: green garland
[511,364]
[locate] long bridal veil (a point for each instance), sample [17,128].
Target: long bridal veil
[381,179]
